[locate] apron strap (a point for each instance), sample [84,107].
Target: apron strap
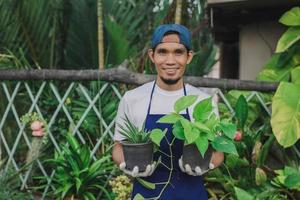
[152,91]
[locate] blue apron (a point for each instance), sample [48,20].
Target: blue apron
[181,186]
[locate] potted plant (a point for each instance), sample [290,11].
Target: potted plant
[203,135]
[138,146]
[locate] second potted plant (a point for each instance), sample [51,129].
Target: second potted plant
[202,135]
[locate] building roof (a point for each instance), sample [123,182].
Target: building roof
[226,16]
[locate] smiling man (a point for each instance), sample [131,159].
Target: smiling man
[170,52]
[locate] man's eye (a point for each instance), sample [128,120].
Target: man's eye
[161,51]
[179,52]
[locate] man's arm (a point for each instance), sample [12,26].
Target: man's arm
[117,153]
[217,158]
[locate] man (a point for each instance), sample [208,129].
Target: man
[170,52]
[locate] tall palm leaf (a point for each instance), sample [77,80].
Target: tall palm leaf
[30,26]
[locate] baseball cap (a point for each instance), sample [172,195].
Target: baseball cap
[183,32]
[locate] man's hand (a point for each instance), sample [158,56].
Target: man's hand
[194,172]
[135,172]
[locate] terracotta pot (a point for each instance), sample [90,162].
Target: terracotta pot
[192,156]
[139,155]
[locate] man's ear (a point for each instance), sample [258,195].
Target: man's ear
[190,56]
[151,54]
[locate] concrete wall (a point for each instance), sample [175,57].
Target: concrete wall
[257,44]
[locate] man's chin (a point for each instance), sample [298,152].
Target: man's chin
[170,81]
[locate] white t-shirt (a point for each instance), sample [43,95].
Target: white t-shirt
[135,104]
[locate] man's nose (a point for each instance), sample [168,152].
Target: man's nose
[170,60]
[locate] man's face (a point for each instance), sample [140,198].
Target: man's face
[170,58]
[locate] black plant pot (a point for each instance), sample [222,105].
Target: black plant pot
[139,155]
[192,156]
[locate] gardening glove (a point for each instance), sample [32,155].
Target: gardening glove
[197,171]
[135,172]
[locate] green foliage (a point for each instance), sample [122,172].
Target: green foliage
[295,75]
[203,110]
[10,185]
[289,177]
[282,66]
[241,111]
[285,119]
[146,184]
[77,173]
[242,194]
[205,129]
[184,102]
[292,35]
[136,136]
[291,18]
[133,134]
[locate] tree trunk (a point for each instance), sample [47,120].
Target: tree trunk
[100,35]
[178,11]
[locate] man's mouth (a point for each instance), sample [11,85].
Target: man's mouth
[170,70]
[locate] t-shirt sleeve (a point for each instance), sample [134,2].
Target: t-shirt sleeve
[123,110]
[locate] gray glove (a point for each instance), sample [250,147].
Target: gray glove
[197,171]
[135,172]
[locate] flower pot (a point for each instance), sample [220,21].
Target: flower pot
[139,155]
[192,156]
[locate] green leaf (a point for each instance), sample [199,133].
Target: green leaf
[203,109]
[228,129]
[212,121]
[89,196]
[285,120]
[78,183]
[138,196]
[241,111]
[292,181]
[202,143]
[178,131]
[291,17]
[289,170]
[72,141]
[202,127]
[157,135]
[146,184]
[170,118]
[190,134]
[234,161]
[275,69]
[290,37]
[295,75]
[223,144]
[184,102]
[242,194]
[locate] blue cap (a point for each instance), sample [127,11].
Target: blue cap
[183,32]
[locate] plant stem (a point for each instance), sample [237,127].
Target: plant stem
[227,171]
[171,169]
[296,151]
[164,153]
[165,165]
